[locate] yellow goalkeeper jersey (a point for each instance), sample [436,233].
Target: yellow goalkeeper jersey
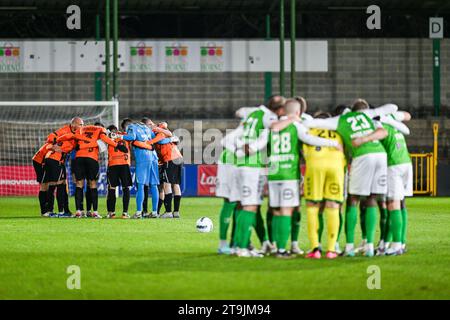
[324,175]
[324,156]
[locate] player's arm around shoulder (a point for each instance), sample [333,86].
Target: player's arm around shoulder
[166,132]
[277,126]
[306,137]
[400,126]
[379,134]
[329,123]
[386,109]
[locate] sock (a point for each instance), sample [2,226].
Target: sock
[145,202]
[155,197]
[51,198]
[320,230]
[404,224]
[160,203]
[79,199]
[332,227]
[176,203]
[260,228]
[88,199]
[245,221]
[387,234]
[295,229]
[43,201]
[125,199]
[60,197]
[312,216]
[139,197]
[350,223]
[94,199]
[275,230]
[371,223]
[283,225]
[66,199]
[233,227]
[269,217]
[383,223]
[111,200]
[285,229]
[225,218]
[395,218]
[341,224]
[168,202]
[362,221]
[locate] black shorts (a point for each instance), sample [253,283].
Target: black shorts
[39,169]
[161,173]
[119,175]
[54,171]
[86,168]
[172,172]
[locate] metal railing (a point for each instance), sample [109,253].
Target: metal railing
[425,168]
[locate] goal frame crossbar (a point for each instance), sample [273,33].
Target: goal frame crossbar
[114,104]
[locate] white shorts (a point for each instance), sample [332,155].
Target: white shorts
[235,189]
[368,175]
[251,185]
[284,194]
[400,181]
[224,180]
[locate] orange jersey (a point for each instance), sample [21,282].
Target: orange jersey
[40,155]
[52,137]
[86,138]
[116,157]
[66,147]
[168,152]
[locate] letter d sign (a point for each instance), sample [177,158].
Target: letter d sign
[436,28]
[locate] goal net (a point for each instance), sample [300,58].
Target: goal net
[24,127]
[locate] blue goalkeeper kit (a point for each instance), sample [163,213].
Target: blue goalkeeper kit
[146,163]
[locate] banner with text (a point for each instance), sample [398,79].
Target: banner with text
[160,56]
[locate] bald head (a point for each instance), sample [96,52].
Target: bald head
[292,107]
[76,123]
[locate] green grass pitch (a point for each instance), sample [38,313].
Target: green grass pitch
[169,259]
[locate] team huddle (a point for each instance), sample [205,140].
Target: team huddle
[356,156]
[158,168]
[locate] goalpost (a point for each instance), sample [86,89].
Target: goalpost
[24,127]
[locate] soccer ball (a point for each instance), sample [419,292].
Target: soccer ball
[204,224]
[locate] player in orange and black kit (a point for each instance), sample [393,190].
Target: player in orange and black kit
[55,173]
[172,166]
[38,165]
[72,127]
[88,193]
[86,164]
[118,173]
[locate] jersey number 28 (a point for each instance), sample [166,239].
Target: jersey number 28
[282,143]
